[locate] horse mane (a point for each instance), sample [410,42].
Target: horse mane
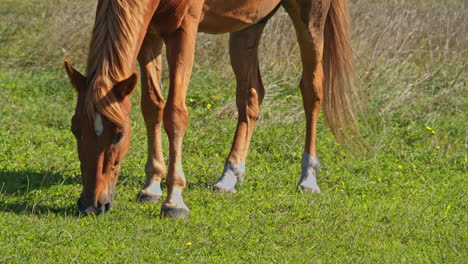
[110,52]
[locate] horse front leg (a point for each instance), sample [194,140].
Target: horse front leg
[243,50]
[152,105]
[180,54]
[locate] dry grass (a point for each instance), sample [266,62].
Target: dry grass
[400,44]
[380,29]
[404,51]
[39,34]
[422,32]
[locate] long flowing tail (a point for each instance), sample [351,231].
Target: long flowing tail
[340,87]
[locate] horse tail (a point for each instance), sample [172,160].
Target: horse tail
[340,84]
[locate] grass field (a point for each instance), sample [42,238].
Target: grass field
[404,201]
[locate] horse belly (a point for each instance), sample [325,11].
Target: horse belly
[221,16]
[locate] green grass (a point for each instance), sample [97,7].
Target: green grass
[404,201]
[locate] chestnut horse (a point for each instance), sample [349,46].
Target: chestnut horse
[126,31]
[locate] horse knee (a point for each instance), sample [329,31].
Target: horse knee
[253,104]
[150,105]
[175,118]
[312,89]
[248,104]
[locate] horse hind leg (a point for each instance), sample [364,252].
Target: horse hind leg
[309,21]
[243,50]
[152,104]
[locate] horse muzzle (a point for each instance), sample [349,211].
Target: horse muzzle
[98,207]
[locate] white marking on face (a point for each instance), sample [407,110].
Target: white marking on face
[98,126]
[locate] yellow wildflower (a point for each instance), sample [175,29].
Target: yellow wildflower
[209,106]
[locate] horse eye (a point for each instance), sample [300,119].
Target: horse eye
[117,137]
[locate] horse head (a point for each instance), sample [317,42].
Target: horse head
[102,142]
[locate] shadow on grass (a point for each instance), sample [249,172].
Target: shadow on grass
[23,182]
[38,209]
[17,193]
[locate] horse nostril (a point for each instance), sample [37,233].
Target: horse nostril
[107,206]
[104,207]
[99,207]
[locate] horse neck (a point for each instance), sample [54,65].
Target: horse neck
[119,30]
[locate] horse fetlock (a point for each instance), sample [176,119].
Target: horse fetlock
[232,174]
[175,199]
[151,191]
[308,181]
[155,169]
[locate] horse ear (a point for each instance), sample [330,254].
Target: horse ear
[126,87]
[76,78]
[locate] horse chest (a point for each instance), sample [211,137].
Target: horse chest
[169,15]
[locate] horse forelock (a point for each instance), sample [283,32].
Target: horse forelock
[102,100]
[111,53]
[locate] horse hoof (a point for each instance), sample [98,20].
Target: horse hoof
[174,213]
[148,198]
[223,190]
[308,189]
